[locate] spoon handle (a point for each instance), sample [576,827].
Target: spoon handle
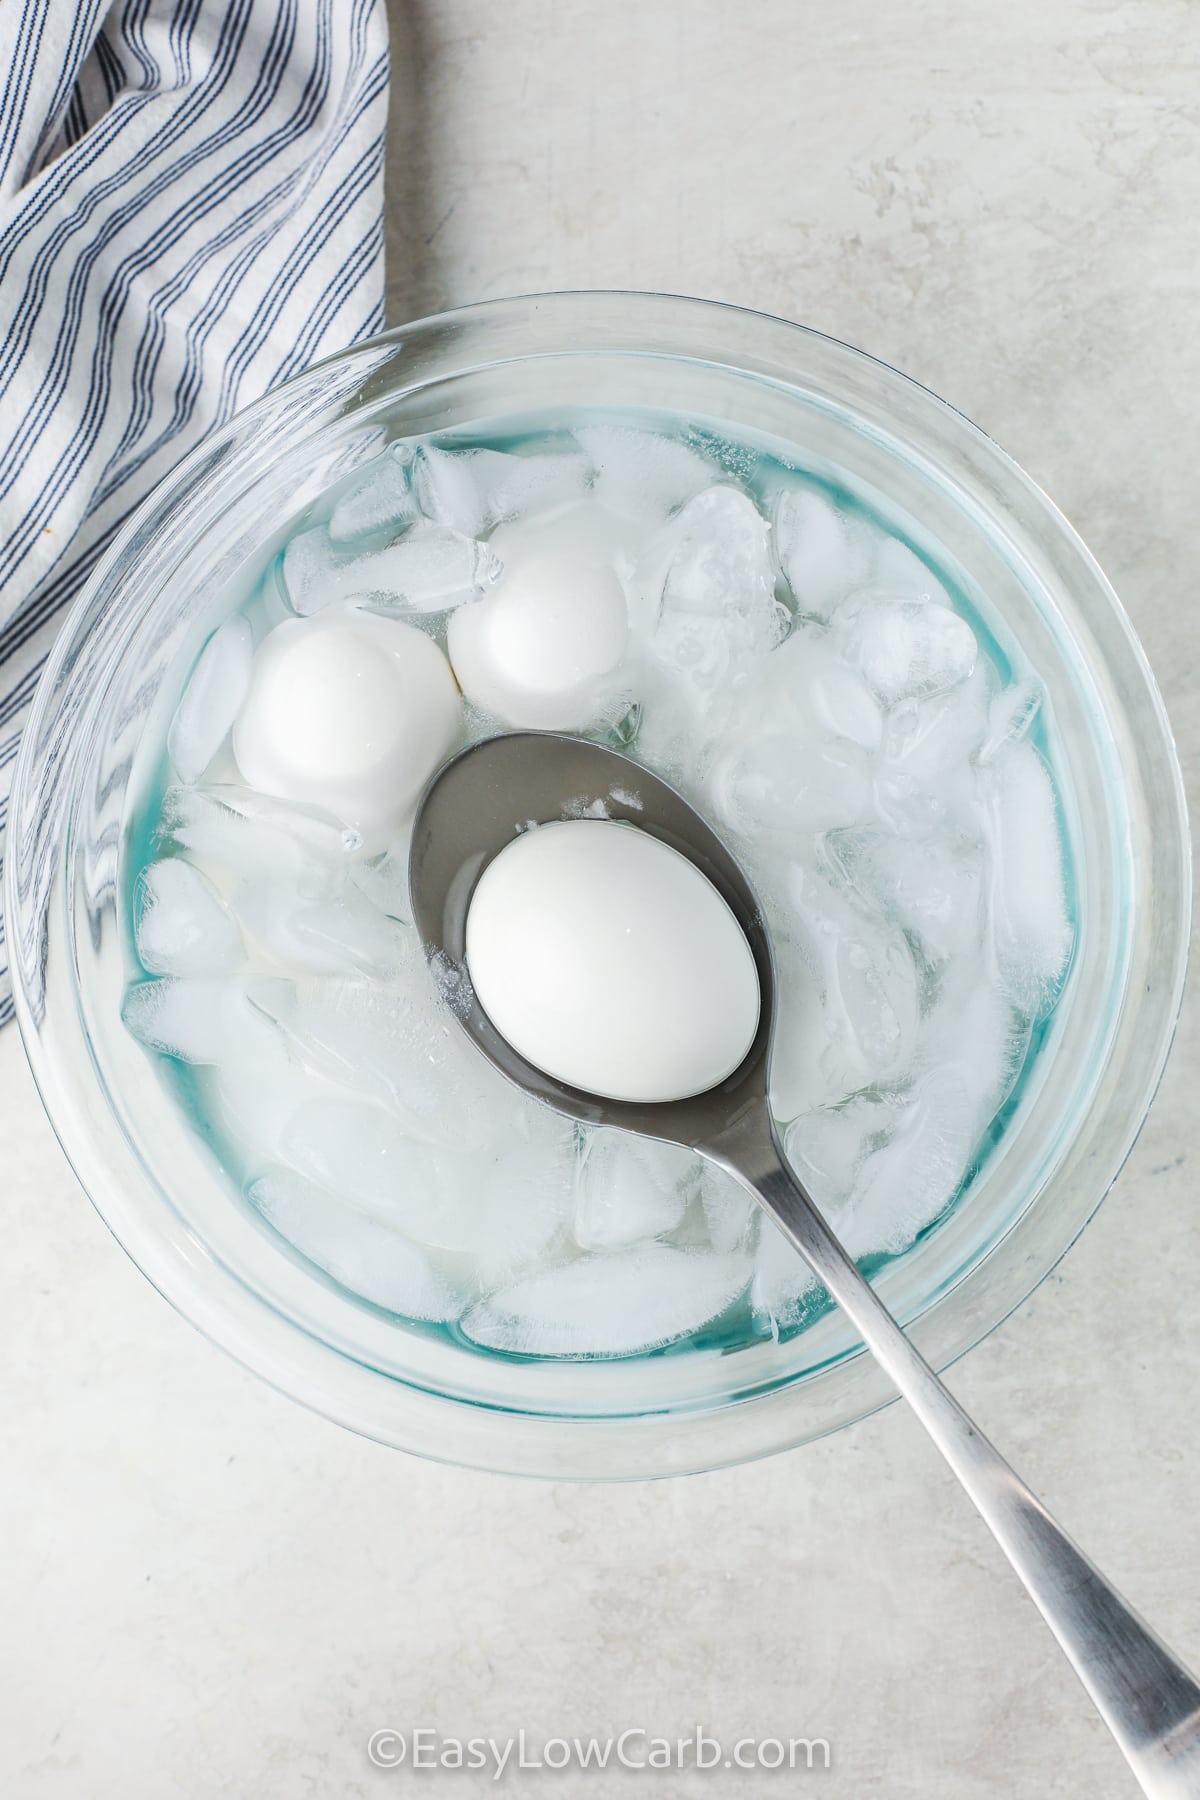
[1144,1694]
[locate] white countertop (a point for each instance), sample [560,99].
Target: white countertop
[208,1592]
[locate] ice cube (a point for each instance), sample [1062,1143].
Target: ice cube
[927,780]
[447,488]
[721,562]
[254,836]
[780,786]
[1012,713]
[608,1304]
[181,924]
[212,699]
[536,484]
[827,1147]
[503,1209]
[475,1105]
[430,569]
[849,1000]
[383,878]
[730,1213]
[782,1285]
[973,1027]
[200,1019]
[356,1149]
[380,500]
[904,648]
[640,474]
[364,1036]
[371,1261]
[803,1072]
[823,554]
[805,691]
[472,491]
[838,701]
[255,1102]
[630,1188]
[307,560]
[672,737]
[934,739]
[797,756]
[902,572]
[400,1043]
[1032,933]
[909,1181]
[718,617]
[526,1193]
[342,934]
[930,886]
[701,651]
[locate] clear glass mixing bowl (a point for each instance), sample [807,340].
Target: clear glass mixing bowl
[102,704]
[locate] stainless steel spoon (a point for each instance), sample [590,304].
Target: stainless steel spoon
[472,808]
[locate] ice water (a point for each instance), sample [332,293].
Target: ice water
[825,689]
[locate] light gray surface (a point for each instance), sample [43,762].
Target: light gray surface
[208,1592]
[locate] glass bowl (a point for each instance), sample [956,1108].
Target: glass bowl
[103,705]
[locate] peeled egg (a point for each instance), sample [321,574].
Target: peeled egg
[349,711]
[607,959]
[542,649]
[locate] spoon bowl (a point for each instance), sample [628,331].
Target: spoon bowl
[486,796]
[472,809]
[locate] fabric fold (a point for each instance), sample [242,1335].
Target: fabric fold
[191,210]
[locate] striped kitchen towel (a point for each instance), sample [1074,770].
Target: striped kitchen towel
[191,209]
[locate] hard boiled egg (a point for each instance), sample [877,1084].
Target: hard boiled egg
[350,711]
[542,650]
[607,959]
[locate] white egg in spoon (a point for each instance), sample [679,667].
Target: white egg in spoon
[606,958]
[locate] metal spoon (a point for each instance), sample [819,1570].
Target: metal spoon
[472,808]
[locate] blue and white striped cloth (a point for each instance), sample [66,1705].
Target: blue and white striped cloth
[191,209]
